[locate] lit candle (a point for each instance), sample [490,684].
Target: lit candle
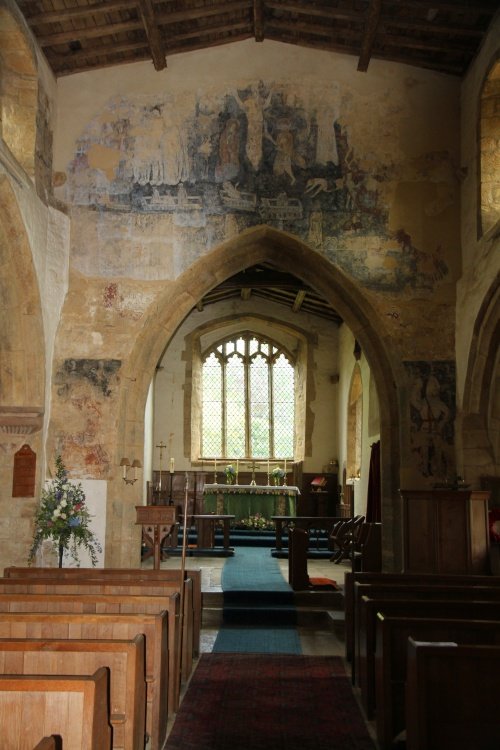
[172,463]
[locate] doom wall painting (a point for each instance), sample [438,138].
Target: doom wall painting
[262,154]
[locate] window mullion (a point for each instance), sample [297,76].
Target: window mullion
[248,411]
[224,406]
[271,409]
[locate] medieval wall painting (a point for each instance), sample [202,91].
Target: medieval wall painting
[432,418]
[263,154]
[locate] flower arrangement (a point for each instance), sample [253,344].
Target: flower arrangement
[277,474]
[230,473]
[63,517]
[256,522]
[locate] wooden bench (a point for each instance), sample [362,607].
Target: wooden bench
[75,708]
[124,659]
[452,697]
[108,627]
[392,579]
[134,575]
[109,604]
[391,661]
[111,586]
[415,591]
[463,608]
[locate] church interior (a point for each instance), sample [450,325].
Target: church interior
[262,235]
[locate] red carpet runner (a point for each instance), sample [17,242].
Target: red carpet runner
[269,702]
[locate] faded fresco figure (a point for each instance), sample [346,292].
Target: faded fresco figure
[254,106]
[431,417]
[228,165]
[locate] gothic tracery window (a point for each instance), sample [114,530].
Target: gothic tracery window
[248,397]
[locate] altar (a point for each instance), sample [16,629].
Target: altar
[245,500]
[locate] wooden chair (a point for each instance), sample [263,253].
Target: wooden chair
[344,537]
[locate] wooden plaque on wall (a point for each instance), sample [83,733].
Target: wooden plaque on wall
[23,479]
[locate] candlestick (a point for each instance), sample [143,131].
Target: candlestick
[237,463]
[215,471]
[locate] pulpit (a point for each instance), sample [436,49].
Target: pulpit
[158,522]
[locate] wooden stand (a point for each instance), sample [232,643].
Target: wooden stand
[157,522]
[445,531]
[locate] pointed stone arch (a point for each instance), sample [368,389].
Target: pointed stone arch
[481,407]
[18,88]
[284,251]
[22,351]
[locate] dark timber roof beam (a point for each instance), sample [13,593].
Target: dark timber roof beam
[258,20]
[158,54]
[372,22]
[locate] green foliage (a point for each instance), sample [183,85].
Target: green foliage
[63,517]
[257,522]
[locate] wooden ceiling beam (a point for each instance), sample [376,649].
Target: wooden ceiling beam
[69,14]
[327,12]
[246,292]
[372,22]
[258,20]
[299,299]
[231,6]
[92,32]
[475,7]
[430,28]
[199,33]
[311,28]
[157,48]
[105,51]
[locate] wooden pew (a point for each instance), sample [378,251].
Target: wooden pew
[415,591]
[391,579]
[108,604]
[457,609]
[73,707]
[452,697]
[111,586]
[108,627]
[124,659]
[128,574]
[48,743]
[391,661]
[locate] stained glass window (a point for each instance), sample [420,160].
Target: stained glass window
[248,397]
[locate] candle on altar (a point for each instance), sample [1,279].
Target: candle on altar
[172,463]
[285,466]
[236,465]
[215,466]
[267,467]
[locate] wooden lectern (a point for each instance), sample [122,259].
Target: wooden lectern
[157,522]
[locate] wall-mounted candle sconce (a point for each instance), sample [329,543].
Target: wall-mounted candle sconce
[126,465]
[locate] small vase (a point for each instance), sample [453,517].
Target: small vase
[229,479]
[276,481]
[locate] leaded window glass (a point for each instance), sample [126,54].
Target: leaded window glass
[248,394]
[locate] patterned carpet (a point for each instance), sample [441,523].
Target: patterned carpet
[274,702]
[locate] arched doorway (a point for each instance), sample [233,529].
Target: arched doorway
[254,246]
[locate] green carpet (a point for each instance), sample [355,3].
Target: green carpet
[258,615]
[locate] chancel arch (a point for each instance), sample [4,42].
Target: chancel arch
[283,251]
[18,90]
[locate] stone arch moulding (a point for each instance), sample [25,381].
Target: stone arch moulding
[284,251]
[22,377]
[19,91]
[488,142]
[478,454]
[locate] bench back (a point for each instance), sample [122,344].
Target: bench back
[49,625]
[124,659]
[132,575]
[452,697]
[74,707]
